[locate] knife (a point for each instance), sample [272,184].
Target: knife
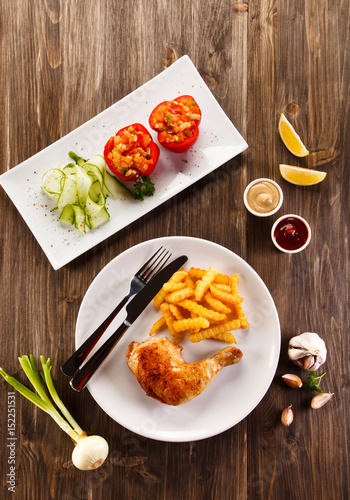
[76,360]
[133,309]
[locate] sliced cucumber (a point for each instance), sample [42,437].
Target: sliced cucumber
[69,194]
[79,218]
[92,208]
[70,167]
[76,158]
[70,170]
[96,193]
[99,218]
[81,189]
[67,215]
[94,172]
[75,216]
[51,181]
[98,161]
[84,182]
[114,187]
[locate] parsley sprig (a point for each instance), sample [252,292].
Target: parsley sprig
[143,187]
[312,383]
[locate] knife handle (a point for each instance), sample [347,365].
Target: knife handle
[84,374]
[76,360]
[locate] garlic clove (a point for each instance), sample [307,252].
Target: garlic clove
[308,363]
[320,399]
[307,350]
[292,380]
[295,354]
[90,452]
[287,416]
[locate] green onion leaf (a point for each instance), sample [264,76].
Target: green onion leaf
[29,367]
[47,375]
[41,400]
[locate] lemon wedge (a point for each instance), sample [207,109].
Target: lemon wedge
[290,138]
[301,176]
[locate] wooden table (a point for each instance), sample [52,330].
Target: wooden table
[64,62]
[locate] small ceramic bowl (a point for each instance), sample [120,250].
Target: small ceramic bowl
[263,214]
[291,233]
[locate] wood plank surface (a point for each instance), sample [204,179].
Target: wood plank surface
[62,63]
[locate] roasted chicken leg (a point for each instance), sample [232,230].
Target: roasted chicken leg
[163,374]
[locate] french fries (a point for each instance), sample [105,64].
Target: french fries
[204,283]
[204,303]
[157,325]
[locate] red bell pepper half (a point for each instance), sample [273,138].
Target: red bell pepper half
[131,153]
[177,123]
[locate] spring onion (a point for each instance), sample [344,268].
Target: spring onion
[90,451]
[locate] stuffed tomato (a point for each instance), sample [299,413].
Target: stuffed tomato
[177,123]
[131,153]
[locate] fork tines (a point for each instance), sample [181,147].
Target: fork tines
[154,263]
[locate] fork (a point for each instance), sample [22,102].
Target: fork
[138,281]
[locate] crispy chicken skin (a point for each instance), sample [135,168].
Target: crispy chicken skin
[163,374]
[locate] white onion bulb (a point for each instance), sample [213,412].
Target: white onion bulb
[90,452]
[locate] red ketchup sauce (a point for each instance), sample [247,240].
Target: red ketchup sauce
[291,233]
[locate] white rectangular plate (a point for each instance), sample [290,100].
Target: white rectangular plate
[218,142]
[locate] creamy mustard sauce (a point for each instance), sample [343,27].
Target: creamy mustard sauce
[263,197]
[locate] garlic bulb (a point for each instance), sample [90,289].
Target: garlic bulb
[90,452]
[307,350]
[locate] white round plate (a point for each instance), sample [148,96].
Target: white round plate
[235,391]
